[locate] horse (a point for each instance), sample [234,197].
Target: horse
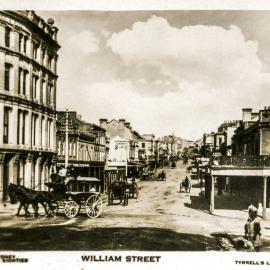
[28,196]
[18,193]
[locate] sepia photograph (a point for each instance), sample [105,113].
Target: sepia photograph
[134,130]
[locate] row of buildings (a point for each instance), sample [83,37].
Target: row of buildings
[111,146]
[246,136]
[33,133]
[239,154]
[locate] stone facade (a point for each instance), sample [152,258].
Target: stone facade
[28,60]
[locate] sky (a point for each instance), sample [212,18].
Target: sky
[180,72]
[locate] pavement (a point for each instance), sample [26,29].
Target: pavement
[161,218]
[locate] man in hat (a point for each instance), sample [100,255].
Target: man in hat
[253,227]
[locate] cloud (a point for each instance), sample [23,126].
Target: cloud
[163,79]
[85,41]
[220,58]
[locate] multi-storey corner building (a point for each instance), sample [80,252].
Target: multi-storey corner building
[28,75]
[247,170]
[87,146]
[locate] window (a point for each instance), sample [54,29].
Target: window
[6,124]
[25,41]
[34,86]
[18,126]
[33,125]
[23,74]
[42,57]
[20,42]
[20,81]
[7,37]
[143,145]
[21,127]
[7,83]
[43,92]
[35,50]
[49,132]
[41,131]
[49,94]
[50,62]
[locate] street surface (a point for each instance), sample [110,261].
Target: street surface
[161,219]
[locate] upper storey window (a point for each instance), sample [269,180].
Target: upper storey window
[7,81]
[20,42]
[35,50]
[7,37]
[50,61]
[25,44]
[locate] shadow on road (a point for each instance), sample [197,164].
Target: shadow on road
[74,238]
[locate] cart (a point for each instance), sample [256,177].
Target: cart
[76,195]
[118,190]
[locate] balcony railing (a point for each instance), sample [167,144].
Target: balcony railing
[241,161]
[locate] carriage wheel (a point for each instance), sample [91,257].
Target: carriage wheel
[53,209]
[71,209]
[93,206]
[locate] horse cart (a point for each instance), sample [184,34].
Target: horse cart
[186,184]
[118,190]
[69,198]
[74,196]
[161,176]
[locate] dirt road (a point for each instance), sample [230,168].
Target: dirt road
[161,218]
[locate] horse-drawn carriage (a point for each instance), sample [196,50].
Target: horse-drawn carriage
[118,190]
[68,198]
[162,176]
[186,184]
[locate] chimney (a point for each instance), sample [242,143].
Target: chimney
[122,121]
[103,122]
[246,116]
[127,124]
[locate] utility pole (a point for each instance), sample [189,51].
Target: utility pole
[127,160]
[67,144]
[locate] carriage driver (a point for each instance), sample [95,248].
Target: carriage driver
[186,182]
